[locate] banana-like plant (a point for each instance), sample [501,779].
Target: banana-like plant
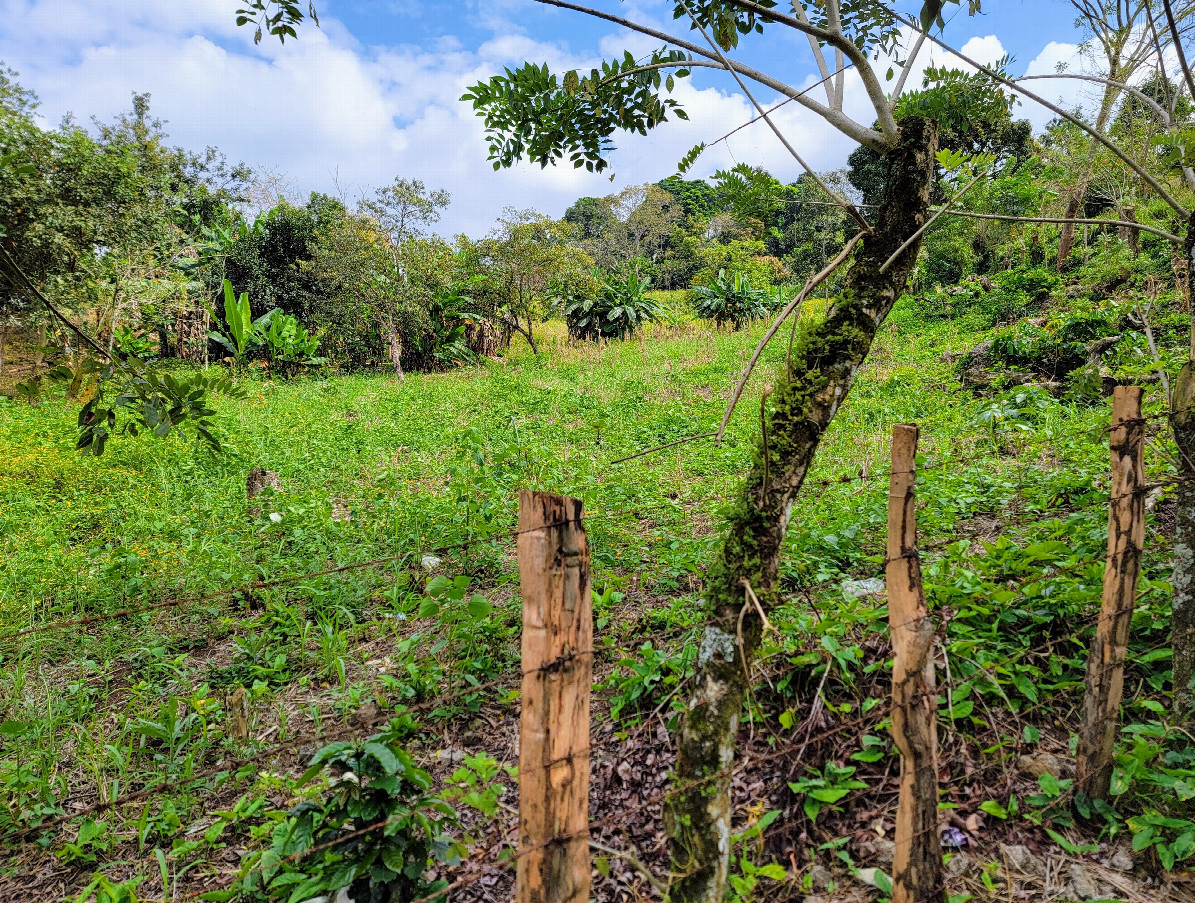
[731,299]
[245,334]
[289,345]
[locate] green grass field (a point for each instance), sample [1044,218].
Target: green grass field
[436,461]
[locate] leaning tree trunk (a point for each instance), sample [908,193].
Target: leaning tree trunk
[803,402]
[1182,420]
[1066,241]
[1129,235]
[394,348]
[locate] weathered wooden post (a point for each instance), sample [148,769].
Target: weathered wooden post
[1104,687]
[553,864]
[917,857]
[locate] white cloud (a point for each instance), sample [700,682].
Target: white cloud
[1066,93]
[327,107]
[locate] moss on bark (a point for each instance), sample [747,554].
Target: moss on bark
[1182,421]
[803,402]
[1182,623]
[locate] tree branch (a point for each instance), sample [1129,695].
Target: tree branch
[866,136]
[839,41]
[908,67]
[817,55]
[755,119]
[929,222]
[1061,220]
[1163,79]
[20,281]
[1064,220]
[1128,89]
[846,205]
[1178,46]
[1069,117]
[814,282]
[648,67]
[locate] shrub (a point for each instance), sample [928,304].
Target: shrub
[619,307]
[1034,285]
[949,255]
[376,831]
[739,256]
[289,346]
[731,300]
[1059,347]
[129,342]
[999,299]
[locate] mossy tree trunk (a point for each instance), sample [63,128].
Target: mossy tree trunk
[1182,420]
[804,400]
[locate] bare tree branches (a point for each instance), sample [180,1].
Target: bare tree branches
[839,41]
[1064,220]
[1176,35]
[1098,79]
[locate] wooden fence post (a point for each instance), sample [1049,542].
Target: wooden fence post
[553,864]
[917,857]
[1104,687]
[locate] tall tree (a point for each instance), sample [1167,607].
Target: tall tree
[532,113]
[405,208]
[626,228]
[522,260]
[1120,34]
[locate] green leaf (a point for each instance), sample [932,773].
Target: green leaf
[1142,839]
[829,794]
[961,709]
[479,608]
[991,807]
[14,728]
[90,830]
[385,757]
[1072,848]
[883,882]
[1025,686]
[774,871]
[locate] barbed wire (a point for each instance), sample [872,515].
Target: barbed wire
[441,701]
[481,688]
[256,585]
[748,760]
[460,546]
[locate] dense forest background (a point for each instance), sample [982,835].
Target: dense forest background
[135,238]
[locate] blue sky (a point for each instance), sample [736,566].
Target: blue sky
[373,94]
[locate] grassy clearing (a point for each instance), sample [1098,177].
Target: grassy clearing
[437,461]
